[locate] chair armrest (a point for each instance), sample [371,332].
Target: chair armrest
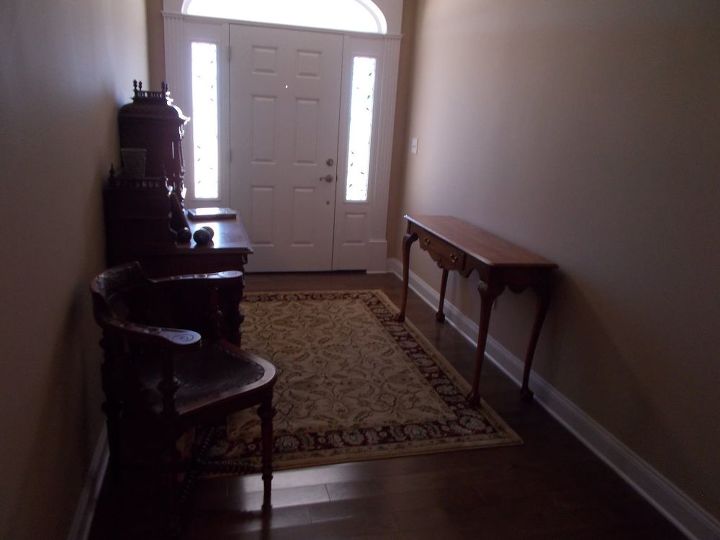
[173,338]
[206,303]
[215,278]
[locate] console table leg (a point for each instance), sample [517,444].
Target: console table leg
[408,239]
[543,302]
[440,315]
[488,294]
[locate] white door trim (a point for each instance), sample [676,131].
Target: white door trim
[178,37]
[392,10]
[366,251]
[371,253]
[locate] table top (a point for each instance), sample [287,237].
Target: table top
[230,237]
[478,243]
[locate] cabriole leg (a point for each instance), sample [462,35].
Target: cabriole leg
[543,302]
[408,240]
[440,315]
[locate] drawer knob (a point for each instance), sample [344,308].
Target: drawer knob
[426,241]
[453,257]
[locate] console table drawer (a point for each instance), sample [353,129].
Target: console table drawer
[446,254]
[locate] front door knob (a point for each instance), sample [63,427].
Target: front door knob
[328,178]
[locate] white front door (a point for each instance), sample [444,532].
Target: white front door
[284,108]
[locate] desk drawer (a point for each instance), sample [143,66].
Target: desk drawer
[446,255]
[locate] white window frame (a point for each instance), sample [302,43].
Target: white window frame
[178,68]
[369,6]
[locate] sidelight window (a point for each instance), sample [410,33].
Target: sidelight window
[205,119]
[361,126]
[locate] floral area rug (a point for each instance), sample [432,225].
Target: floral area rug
[354,384]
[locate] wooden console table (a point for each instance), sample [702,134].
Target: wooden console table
[457,245]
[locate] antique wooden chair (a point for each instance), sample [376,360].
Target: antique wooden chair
[173,363]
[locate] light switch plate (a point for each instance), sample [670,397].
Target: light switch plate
[414,145]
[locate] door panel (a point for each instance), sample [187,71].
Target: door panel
[263,134]
[285,102]
[261,223]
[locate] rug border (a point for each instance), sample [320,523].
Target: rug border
[450,370]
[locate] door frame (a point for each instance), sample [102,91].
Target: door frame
[367,249]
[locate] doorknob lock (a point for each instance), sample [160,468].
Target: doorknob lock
[330,162]
[328,178]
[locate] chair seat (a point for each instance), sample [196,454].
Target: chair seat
[212,379]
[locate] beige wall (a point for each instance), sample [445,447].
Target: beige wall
[402,109]
[156,42]
[589,132]
[64,69]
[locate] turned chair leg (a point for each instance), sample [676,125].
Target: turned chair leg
[266,413]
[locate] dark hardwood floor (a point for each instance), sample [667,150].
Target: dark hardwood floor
[551,487]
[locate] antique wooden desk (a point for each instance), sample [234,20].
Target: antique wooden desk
[457,245]
[144,221]
[229,250]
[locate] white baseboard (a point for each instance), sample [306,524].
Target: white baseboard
[85,510]
[694,521]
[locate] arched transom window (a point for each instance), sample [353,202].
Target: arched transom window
[350,15]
